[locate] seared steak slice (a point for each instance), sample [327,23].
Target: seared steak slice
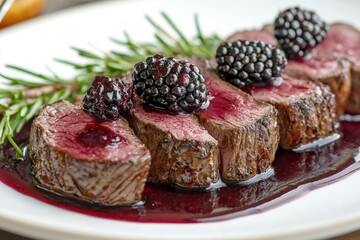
[183,153]
[307,110]
[76,156]
[247,130]
[343,40]
[333,71]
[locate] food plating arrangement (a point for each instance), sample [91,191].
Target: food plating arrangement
[188,131]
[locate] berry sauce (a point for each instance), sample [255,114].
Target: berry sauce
[95,135]
[311,169]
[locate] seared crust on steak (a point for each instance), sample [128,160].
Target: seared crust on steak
[183,153]
[353,106]
[111,175]
[343,41]
[307,110]
[247,130]
[333,71]
[339,80]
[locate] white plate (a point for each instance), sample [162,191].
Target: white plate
[321,213]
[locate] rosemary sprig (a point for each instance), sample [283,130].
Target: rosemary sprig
[21,99]
[116,63]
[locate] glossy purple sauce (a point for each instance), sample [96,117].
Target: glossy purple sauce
[95,135]
[162,204]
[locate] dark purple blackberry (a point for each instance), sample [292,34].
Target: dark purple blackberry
[108,98]
[298,31]
[170,85]
[244,63]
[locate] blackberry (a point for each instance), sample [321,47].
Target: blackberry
[170,85]
[108,98]
[298,31]
[245,63]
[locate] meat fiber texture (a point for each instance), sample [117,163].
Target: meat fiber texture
[307,110]
[183,153]
[332,71]
[343,40]
[247,130]
[67,162]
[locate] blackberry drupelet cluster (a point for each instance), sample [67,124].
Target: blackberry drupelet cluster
[170,85]
[108,98]
[244,63]
[298,31]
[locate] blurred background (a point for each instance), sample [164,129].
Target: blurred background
[26,9]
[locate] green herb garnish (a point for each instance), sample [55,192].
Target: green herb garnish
[21,99]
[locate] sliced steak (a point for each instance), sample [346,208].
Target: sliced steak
[307,110]
[183,152]
[76,156]
[333,71]
[247,130]
[343,40]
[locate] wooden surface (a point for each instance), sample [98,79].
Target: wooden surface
[350,236]
[54,5]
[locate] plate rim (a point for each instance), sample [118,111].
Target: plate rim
[338,226]
[347,223]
